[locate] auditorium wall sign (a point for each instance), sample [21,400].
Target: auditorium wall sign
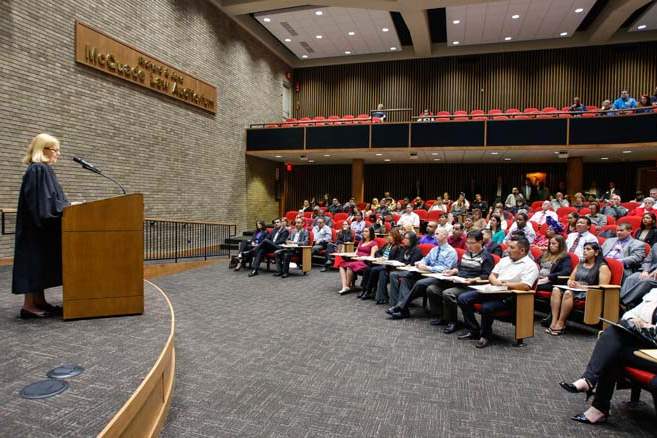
[102,52]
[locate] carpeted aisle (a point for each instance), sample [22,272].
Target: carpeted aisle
[265,356]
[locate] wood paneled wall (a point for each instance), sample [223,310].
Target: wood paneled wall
[504,80]
[431,180]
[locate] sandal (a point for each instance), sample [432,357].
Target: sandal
[28,314]
[553,332]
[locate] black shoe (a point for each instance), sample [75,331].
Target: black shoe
[573,389]
[277,274]
[401,315]
[438,322]
[253,273]
[238,266]
[285,275]
[393,309]
[367,296]
[324,269]
[27,314]
[381,302]
[581,418]
[469,335]
[482,343]
[451,328]
[361,294]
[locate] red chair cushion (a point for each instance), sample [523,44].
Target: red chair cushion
[641,376]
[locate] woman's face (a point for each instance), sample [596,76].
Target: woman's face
[366,234]
[571,219]
[647,220]
[52,153]
[550,233]
[554,246]
[494,223]
[589,253]
[345,226]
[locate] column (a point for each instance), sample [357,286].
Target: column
[574,175]
[358,180]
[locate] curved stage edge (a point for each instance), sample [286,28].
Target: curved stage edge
[146,410]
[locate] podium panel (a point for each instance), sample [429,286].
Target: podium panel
[103,258]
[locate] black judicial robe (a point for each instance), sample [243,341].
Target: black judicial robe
[38,248]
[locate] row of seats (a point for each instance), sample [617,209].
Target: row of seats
[347,119]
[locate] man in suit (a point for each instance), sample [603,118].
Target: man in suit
[273,242]
[625,249]
[611,192]
[640,283]
[298,237]
[527,190]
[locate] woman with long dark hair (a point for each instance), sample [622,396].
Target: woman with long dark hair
[247,247]
[392,250]
[647,232]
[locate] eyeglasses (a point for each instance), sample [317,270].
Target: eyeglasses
[57,151]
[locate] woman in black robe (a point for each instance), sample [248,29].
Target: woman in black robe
[38,248]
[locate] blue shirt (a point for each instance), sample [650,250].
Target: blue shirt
[624,104]
[440,258]
[357,228]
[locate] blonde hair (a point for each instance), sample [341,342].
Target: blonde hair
[34,153]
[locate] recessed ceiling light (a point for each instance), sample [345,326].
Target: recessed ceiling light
[266,19]
[319,13]
[434,153]
[507,38]
[507,159]
[456,43]
[304,56]
[386,159]
[515,17]
[494,153]
[319,37]
[351,33]
[579,10]
[385,29]
[556,152]
[288,40]
[641,27]
[564,34]
[436,159]
[604,158]
[379,155]
[278,156]
[627,152]
[311,161]
[456,21]
[347,52]
[393,48]
[327,155]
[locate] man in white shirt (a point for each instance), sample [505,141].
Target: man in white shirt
[546,211]
[576,240]
[516,271]
[443,224]
[322,235]
[559,201]
[521,224]
[409,217]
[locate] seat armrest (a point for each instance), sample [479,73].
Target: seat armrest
[608,286]
[522,292]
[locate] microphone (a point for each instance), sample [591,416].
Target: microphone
[94,169]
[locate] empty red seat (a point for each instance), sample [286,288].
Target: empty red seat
[460,115]
[634,221]
[348,119]
[363,119]
[548,112]
[271,125]
[478,115]
[565,112]
[442,116]
[333,120]
[496,114]
[290,122]
[305,121]
[376,120]
[565,211]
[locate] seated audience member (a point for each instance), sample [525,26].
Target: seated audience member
[405,288]
[379,113]
[478,222]
[644,105]
[528,190]
[357,226]
[457,238]
[418,204]
[543,240]
[335,206]
[559,201]
[571,223]
[592,269]
[425,116]
[444,224]
[625,249]
[388,198]
[468,225]
[438,206]
[298,236]
[247,247]
[348,268]
[611,192]
[516,271]
[578,201]
[653,101]
[379,226]
[343,236]
[430,235]
[374,205]
[614,207]
[271,243]
[306,206]
[322,235]
[514,201]
[598,219]
[410,256]
[647,232]
[652,194]
[613,351]
[489,244]
[476,263]
[640,283]
[409,217]
[576,240]
[554,263]
[459,208]
[480,204]
[521,224]
[496,227]
[375,279]
[446,200]
[542,191]
[606,109]
[648,207]
[577,108]
[318,214]
[625,101]
[546,211]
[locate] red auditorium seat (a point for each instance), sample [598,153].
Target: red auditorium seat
[512,112]
[630,205]
[363,119]
[591,111]
[340,216]
[272,125]
[361,205]
[337,224]
[548,112]
[319,120]
[380,242]
[611,220]
[532,112]
[422,213]
[376,120]
[638,379]
[442,116]
[565,112]
[395,217]
[495,113]
[607,228]
[425,248]
[460,115]
[348,119]
[305,121]
[434,215]
[584,211]
[478,114]
[536,205]
[634,221]
[291,215]
[565,211]
[333,120]
[289,122]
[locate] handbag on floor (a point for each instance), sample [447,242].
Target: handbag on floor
[234,260]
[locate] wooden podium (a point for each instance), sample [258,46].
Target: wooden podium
[103,257]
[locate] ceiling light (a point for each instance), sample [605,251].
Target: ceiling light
[579,10]
[319,13]
[351,33]
[327,155]
[564,34]
[266,19]
[288,40]
[556,152]
[515,17]
[393,48]
[436,159]
[319,37]
[379,155]
[304,56]
[641,27]
[494,153]
[507,159]
[311,161]
[627,152]
[278,156]
[507,38]
[434,153]
[386,159]
[456,43]
[604,158]
[456,21]
[347,52]
[385,29]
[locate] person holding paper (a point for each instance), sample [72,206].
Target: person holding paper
[298,237]
[406,286]
[376,277]
[637,285]
[613,351]
[592,269]
[349,268]
[516,271]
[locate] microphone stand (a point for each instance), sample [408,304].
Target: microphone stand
[97,171]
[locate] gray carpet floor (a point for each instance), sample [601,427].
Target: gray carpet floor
[273,357]
[116,353]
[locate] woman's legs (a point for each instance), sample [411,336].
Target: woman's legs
[33,302]
[555,306]
[567,304]
[343,278]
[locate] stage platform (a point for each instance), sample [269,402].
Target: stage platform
[118,354]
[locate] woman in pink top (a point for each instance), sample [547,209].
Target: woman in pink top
[366,247]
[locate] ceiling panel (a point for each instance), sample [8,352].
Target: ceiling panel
[647,20]
[334,25]
[494,22]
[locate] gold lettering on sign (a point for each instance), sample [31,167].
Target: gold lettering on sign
[104,53]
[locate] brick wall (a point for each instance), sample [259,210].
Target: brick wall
[188,163]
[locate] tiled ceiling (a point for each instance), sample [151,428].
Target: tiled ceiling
[647,20]
[298,30]
[514,20]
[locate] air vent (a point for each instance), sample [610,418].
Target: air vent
[306,46]
[289,28]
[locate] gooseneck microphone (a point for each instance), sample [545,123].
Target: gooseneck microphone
[90,167]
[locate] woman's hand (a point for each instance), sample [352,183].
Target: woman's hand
[572,283]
